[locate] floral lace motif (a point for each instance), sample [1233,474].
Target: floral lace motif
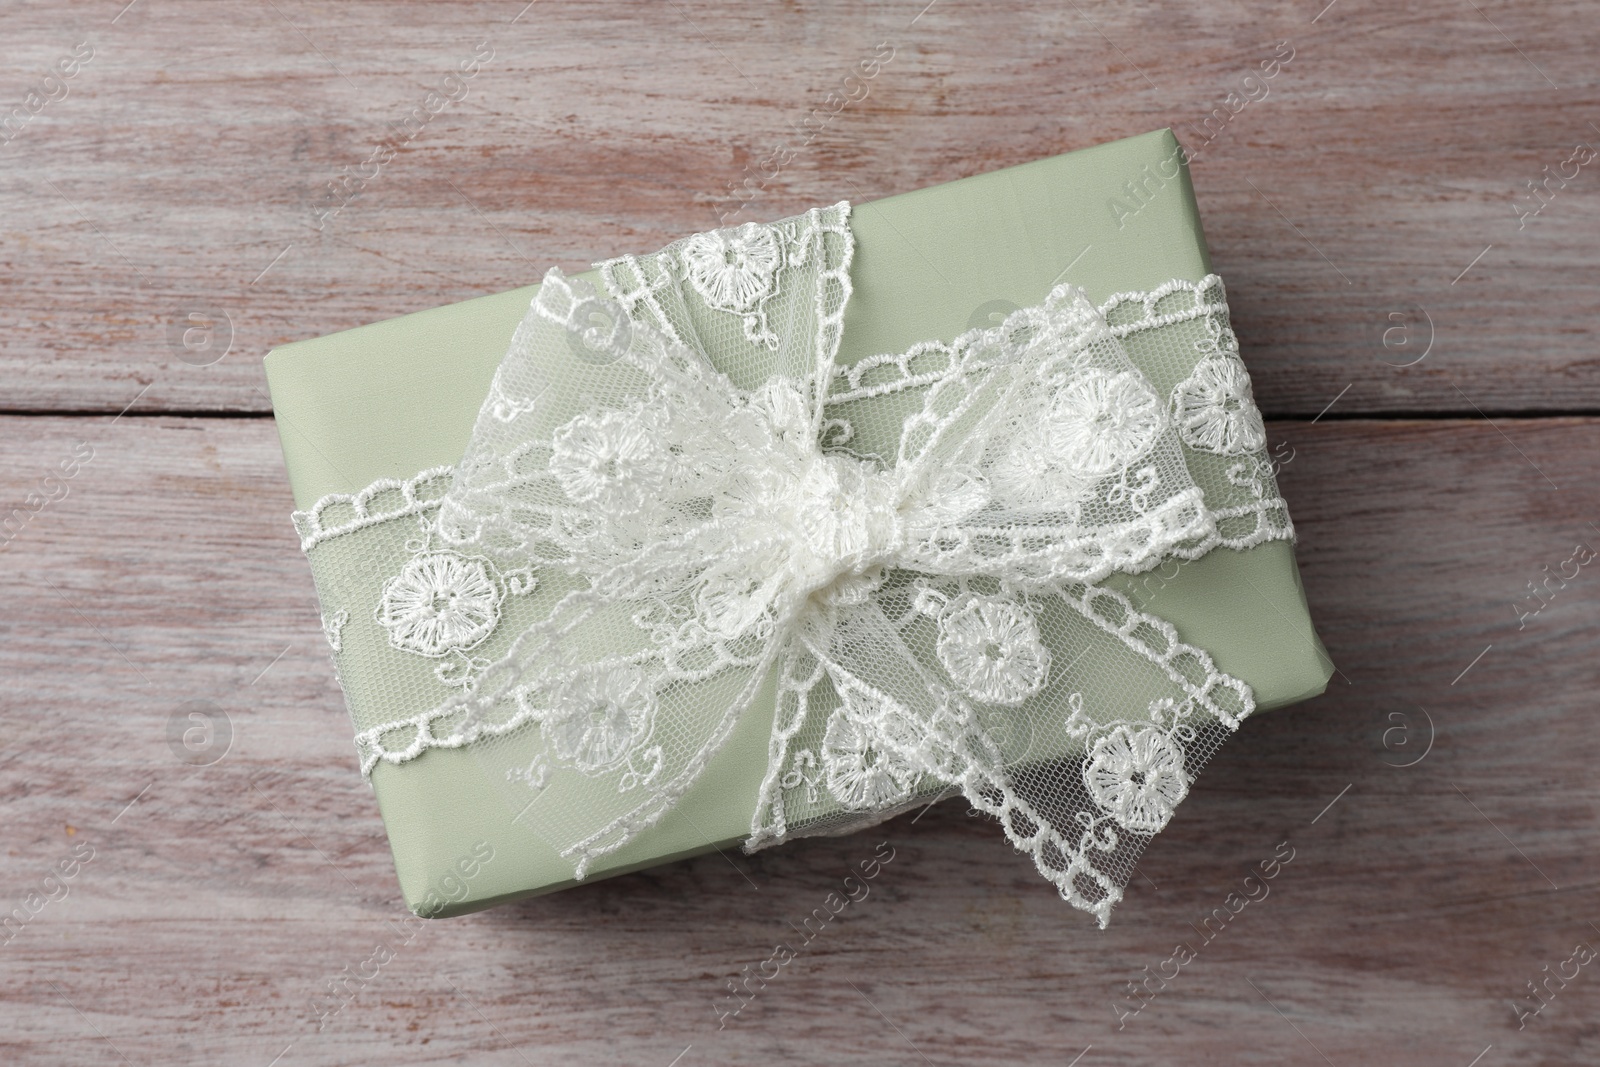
[441,602]
[1136,775]
[911,547]
[990,647]
[862,775]
[594,720]
[1214,406]
[734,271]
[616,460]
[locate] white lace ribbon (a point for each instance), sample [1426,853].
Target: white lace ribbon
[908,566]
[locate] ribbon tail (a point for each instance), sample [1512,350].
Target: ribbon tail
[799,670]
[1079,737]
[664,798]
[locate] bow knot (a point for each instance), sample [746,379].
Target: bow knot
[802,535]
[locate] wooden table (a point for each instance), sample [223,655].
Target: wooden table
[1421,340]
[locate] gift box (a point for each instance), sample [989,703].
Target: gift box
[373,421]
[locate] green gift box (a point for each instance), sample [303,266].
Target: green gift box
[396,398]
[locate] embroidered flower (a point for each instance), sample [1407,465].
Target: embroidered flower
[991,648]
[1215,410]
[861,775]
[1136,775]
[440,603]
[617,460]
[732,269]
[1092,425]
[1101,422]
[597,717]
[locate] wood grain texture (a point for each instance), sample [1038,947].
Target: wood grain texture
[1440,799]
[180,170]
[225,898]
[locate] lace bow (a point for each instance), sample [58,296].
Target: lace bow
[676,509]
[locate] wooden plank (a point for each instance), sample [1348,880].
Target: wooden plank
[222,897]
[180,171]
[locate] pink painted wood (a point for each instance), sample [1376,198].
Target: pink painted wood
[183,169]
[1438,800]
